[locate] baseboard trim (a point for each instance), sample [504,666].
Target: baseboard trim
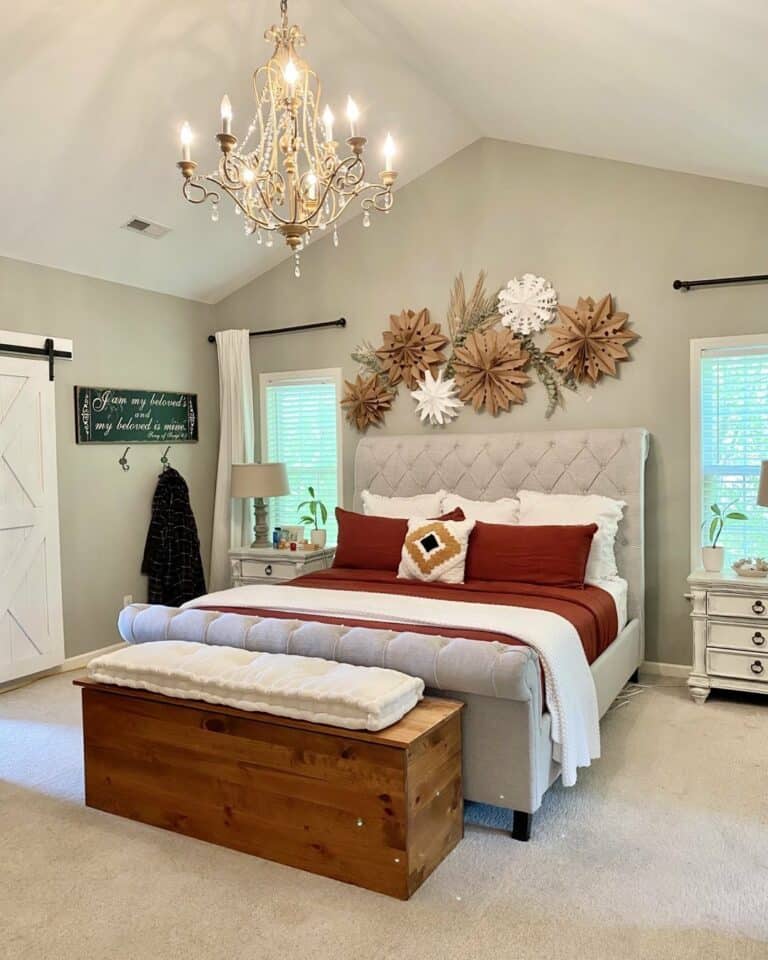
[657,669]
[71,663]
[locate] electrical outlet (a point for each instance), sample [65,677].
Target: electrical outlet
[127,599]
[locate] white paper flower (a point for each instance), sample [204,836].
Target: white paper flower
[436,399]
[527,305]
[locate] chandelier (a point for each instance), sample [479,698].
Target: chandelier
[290,180]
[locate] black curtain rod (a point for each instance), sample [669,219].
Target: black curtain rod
[718,281]
[341,322]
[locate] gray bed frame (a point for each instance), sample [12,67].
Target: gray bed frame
[507,745]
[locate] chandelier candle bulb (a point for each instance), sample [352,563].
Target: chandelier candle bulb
[389,153]
[328,123]
[226,115]
[291,75]
[186,143]
[353,115]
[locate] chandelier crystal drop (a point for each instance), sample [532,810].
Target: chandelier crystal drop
[292,181]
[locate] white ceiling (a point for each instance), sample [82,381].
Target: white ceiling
[92,96]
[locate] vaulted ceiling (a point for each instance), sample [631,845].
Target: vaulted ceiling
[92,96]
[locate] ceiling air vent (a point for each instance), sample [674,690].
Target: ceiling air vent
[146,228]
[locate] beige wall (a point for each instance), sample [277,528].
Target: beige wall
[123,337]
[591,226]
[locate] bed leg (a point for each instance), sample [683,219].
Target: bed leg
[635,676]
[521,825]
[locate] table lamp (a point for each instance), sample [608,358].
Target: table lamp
[762,490]
[259,480]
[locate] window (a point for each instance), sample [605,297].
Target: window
[301,427]
[729,430]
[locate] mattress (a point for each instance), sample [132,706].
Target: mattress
[618,589]
[303,688]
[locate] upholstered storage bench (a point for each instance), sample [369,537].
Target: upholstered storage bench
[376,809]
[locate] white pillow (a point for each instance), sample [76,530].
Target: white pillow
[435,551]
[570,509]
[424,505]
[506,510]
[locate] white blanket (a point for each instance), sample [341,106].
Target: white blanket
[570,689]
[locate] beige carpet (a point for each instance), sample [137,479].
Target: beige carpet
[660,851]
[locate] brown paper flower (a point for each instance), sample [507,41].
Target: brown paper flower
[367,400]
[589,339]
[412,345]
[489,370]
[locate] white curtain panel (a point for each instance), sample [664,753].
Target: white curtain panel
[232,519]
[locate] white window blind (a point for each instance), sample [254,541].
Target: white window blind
[300,428]
[733,441]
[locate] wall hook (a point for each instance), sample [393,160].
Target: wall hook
[164,459]
[123,461]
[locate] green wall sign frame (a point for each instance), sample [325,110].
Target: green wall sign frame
[113,415]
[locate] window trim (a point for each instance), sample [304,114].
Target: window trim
[698,348]
[323,373]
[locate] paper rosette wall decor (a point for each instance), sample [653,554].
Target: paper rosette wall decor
[589,339]
[527,305]
[366,400]
[489,370]
[492,353]
[436,399]
[412,346]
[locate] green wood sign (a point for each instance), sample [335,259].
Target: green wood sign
[111,415]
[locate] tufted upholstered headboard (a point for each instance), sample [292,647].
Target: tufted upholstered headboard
[492,465]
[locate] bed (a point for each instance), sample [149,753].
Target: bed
[509,758]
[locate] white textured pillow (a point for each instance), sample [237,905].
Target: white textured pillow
[424,505]
[569,509]
[435,550]
[506,510]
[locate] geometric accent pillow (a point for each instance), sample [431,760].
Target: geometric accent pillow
[435,551]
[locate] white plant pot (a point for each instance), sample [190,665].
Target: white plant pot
[712,558]
[318,538]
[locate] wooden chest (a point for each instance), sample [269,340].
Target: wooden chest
[379,810]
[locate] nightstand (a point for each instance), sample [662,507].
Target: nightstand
[730,633]
[251,565]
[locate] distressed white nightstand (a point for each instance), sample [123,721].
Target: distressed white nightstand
[730,633]
[250,565]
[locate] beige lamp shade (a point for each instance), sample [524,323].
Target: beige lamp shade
[762,490]
[259,480]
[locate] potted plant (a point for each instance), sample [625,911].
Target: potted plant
[712,556]
[312,508]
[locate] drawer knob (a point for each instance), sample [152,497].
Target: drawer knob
[756,667]
[758,639]
[268,570]
[758,607]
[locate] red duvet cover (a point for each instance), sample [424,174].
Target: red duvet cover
[592,611]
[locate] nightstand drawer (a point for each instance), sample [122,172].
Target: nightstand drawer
[730,605]
[735,637]
[742,666]
[268,570]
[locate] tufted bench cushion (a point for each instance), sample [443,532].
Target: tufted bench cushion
[303,688]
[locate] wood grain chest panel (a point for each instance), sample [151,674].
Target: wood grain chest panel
[379,810]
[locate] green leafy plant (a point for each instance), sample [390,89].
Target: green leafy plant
[312,508]
[717,523]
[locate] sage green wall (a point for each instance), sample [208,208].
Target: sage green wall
[129,338]
[591,226]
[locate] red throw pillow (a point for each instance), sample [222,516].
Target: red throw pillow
[373,543]
[548,555]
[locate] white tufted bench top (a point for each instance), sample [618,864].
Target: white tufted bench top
[303,688]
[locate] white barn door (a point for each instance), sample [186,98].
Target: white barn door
[31,629]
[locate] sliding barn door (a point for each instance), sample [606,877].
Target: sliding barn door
[31,631]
